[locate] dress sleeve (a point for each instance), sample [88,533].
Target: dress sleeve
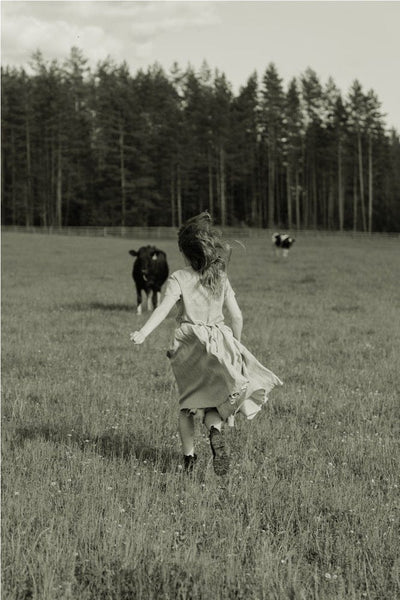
[173,289]
[228,292]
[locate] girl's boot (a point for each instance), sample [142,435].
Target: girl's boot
[220,456]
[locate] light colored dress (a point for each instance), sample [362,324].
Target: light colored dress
[211,367]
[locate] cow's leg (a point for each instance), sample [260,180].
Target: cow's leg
[285,252]
[156,298]
[139,300]
[149,302]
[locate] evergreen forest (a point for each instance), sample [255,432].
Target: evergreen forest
[103,147]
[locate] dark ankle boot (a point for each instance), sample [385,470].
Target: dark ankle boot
[221,458]
[188,463]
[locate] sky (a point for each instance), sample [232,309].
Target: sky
[345,40]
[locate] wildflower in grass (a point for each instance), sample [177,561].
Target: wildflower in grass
[216,375]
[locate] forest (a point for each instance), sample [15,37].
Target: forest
[83,146]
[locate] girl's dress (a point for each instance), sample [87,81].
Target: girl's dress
[211,367]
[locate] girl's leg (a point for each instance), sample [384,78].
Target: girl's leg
[213,419]
[186,432]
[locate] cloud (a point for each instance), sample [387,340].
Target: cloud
[145,50]
[25,35]
[122,30]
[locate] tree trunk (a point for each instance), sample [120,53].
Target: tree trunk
[28,203]
[67,199]
[172,196]
[278,190]
[122,176]
[53,162]
[59,187]
[340,187]
[253,197]
[324,203]
[361,176]
[331,196]
[13,179]
[355,199]
[314,195]
[305,190]
[179,195]
[271,192]
[210,185]
[260,196]
[222,186]
[289,195]
[3,182]
[297,200]
[370,188]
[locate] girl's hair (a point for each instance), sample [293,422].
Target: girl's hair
[202,246]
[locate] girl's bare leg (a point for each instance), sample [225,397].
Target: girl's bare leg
[212,419]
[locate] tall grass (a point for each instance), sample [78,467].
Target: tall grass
[94,501]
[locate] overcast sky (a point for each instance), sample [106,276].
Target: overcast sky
[346,40]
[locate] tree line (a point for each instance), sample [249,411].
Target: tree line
[105,147]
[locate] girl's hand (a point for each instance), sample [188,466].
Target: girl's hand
[137,337]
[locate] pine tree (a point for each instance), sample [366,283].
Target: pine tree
[244,153]
[312,98]
[221,123]
[272,118]
[293,140]
[335,119]
[356,107]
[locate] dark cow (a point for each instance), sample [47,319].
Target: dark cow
[150,271]
[282,243]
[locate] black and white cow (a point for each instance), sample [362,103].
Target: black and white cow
[150,271]
[281,243]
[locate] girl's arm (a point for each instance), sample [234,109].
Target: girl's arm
[235,314]
[157,317]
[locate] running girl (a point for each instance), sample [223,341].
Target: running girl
[214,372]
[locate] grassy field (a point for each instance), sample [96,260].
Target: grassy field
[94,502]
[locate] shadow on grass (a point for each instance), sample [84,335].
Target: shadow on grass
[110,444]
[109,307]
[349,308]
[106,306]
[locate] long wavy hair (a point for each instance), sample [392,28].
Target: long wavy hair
[202,246]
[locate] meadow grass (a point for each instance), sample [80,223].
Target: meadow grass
[95,505]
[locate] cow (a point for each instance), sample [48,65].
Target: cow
[150,271]
[281,243]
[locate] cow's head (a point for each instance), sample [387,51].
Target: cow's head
[147,257]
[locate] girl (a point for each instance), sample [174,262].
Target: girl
[213,370]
